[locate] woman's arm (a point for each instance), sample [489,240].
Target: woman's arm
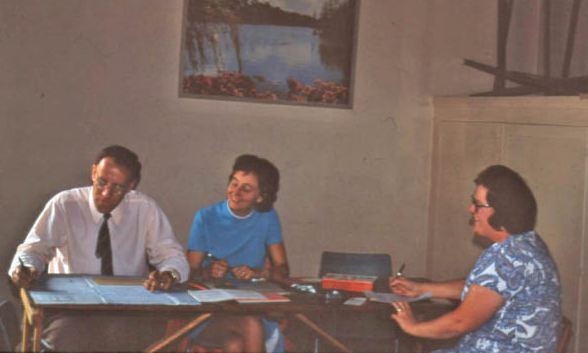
[409,288]
[195,259]
[479,305]
[279,270]
[275,267]
[217,269]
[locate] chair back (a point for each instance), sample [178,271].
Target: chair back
[374,264]
[353,328]
[9,326]
[566,335]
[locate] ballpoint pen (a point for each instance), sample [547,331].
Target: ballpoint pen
[219,282]
[400,271]
[211,257]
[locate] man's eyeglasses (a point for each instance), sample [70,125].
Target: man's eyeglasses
[478,205]
[117,189]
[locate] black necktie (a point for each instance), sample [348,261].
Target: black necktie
[103,249]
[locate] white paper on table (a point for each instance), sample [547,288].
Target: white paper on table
[391,297]
[219,295]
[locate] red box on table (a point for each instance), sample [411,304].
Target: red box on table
[348,282]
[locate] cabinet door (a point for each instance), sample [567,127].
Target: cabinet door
[553,161]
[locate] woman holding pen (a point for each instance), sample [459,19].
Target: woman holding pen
[241,238]
[510,302]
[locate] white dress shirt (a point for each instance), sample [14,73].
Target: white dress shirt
[64,236]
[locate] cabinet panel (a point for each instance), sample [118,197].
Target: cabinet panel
[463,149]
[552,159]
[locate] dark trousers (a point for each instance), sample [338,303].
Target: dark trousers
[102,332]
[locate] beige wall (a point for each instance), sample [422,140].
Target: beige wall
[78,75]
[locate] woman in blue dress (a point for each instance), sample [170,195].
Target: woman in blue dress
[241,238]
[510,302]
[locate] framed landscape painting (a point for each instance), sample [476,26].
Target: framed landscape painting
[281,51]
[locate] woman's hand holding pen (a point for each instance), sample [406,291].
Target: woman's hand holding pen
[218,268]
[403,286]
[244,273]
[398,284]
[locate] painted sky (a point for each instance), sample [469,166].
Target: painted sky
[307,7]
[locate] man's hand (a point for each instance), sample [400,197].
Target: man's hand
[159,281]
[24,276]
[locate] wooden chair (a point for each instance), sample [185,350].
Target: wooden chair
[184,344]
[353,328]
[562,345]
[566,335]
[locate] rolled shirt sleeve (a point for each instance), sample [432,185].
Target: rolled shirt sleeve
[163,249]
[47,234]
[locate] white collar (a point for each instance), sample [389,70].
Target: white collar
[116,214]
[236,215]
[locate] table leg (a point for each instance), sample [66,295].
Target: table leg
[164,342]
[37,330]
[322,333]
[26,335]
[32,320]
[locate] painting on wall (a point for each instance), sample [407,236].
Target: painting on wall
[279,51]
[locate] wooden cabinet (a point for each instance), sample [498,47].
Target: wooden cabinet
[543,138]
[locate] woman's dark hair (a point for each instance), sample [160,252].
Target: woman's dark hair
[515,207]
[123,157]
[268,178]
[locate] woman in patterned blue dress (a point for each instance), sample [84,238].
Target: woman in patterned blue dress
[510,302]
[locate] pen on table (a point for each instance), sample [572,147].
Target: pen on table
[400,271]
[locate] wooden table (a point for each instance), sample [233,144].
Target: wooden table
[35,311]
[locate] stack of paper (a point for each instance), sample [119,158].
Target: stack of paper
[391,297]
[241,296]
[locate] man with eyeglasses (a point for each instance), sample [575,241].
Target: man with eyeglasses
[108,228]
[510,302]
